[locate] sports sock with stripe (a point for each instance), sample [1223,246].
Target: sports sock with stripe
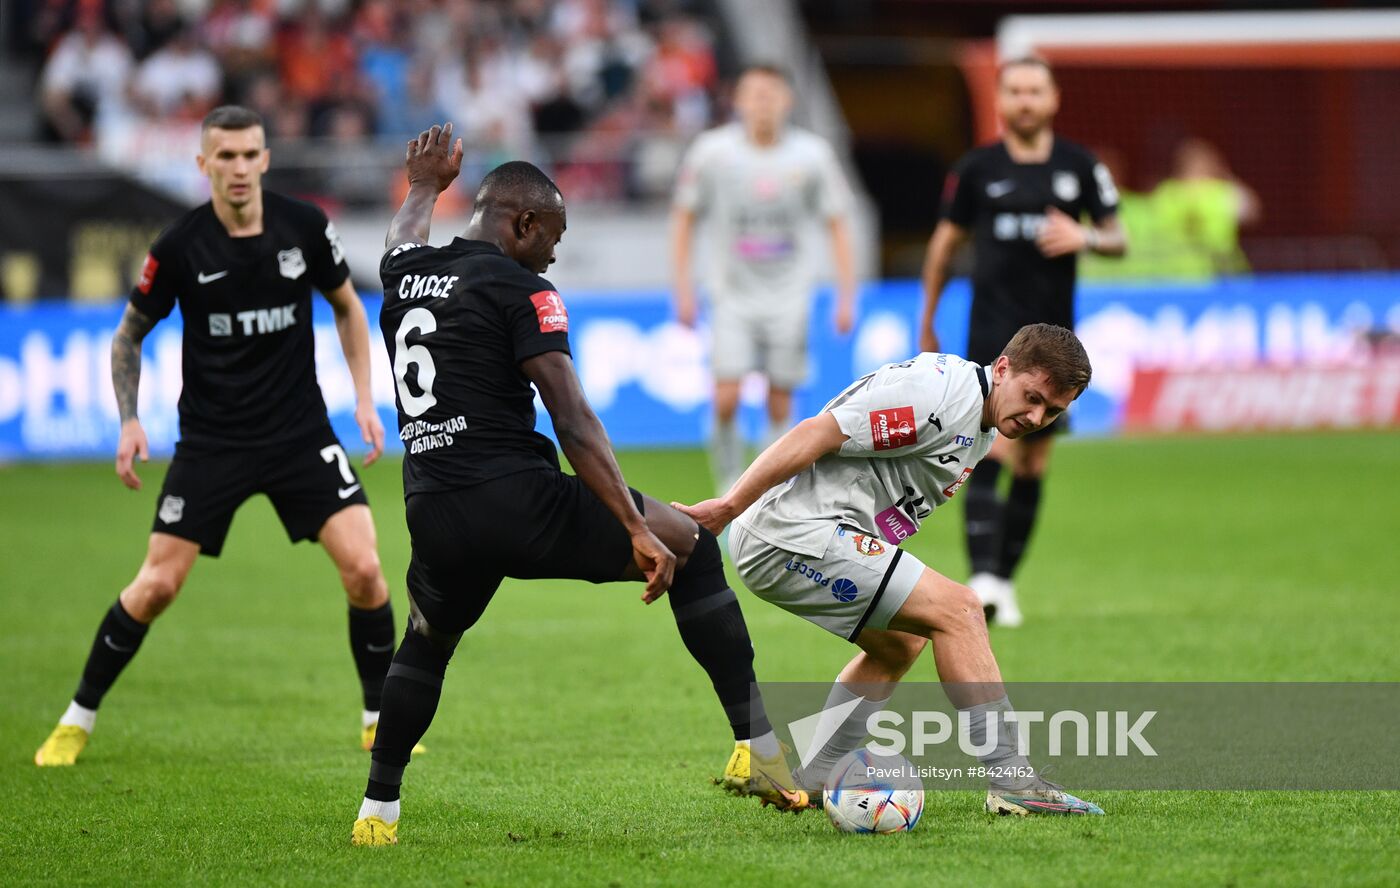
[372,646]
[118,639]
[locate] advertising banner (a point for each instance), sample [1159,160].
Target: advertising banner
[1262,353]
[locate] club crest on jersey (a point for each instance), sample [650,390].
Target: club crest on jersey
[893,428]
[868,545]
[951,490]
[291,263]
[1065,185]
[550,310]
[172,509]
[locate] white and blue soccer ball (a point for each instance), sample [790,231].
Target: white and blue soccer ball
[868,793]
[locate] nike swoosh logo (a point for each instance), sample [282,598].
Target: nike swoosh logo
[379,649]
[347,491]
[209,278]
[114,646]
[997,189]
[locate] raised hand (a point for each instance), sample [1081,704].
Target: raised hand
[433,159]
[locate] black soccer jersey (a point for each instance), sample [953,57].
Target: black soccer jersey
[249,354]
[1003,204]
[458,321]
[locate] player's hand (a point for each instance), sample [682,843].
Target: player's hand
[928,340]
[687,312]
[131,445]
[433,159]
[1060,235]
[712,514]
[656,561]
[371,430]
[845,318]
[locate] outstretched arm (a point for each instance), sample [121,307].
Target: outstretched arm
[433,162]
[126,382]
[585,442]
[352,326]
[803,445]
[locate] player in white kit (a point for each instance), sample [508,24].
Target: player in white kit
[819,516]
[758,185]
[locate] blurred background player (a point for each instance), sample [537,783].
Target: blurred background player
[252,417]
[1021,201]
[759,183]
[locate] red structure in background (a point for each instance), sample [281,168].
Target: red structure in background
[1310,126]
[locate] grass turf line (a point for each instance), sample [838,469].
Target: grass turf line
[576,739]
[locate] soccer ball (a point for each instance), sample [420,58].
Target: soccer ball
[868,793]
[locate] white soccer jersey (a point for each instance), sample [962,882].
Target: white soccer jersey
[915,433]
[758,205]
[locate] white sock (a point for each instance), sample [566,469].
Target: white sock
[847,735]
[764,746]
[1013,770]
[726,454]
[385,811]
[369,717]
[80,716]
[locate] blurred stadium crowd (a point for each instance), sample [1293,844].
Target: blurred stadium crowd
[607,91]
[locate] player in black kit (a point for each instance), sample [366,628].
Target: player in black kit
[469,327]
[252,419]
[1021,200]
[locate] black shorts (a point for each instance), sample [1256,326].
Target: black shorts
[308,480]
[984,345]
[537,524]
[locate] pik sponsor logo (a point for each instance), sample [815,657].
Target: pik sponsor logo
[549,308]
[893,428]
[952,489]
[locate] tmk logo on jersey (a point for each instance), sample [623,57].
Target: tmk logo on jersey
[951,490]
[893,428]
[262,320]
[291,263]
[553,316]
[148,274]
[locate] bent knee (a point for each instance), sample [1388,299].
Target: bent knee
[364,581]
[154,590]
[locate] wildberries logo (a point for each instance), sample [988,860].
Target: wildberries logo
[549,308]
[893,428]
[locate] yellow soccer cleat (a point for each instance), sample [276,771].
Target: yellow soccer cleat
[62,747]
[769,780]
[373,832]
[367,740]
[736,773]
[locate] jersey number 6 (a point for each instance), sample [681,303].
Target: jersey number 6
[405,356]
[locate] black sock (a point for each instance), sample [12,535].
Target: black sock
[372,645]
[1021,507]
[712,626]
[116,643]
[411,693]
[984,516]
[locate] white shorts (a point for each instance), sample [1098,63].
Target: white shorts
[773,343]
[860,582]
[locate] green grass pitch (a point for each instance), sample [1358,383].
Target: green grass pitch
[576,741]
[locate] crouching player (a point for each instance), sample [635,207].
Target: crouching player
[838,493]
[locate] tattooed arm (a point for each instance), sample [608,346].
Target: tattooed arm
[126,380]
